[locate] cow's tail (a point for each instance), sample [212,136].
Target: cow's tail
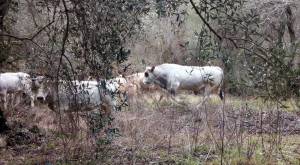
[221,93]
[221,87]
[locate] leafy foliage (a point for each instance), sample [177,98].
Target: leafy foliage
[103,27]
[253,61]
[166,8]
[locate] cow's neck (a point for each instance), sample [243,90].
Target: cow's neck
[161,81]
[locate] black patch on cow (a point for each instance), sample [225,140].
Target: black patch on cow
[162,82]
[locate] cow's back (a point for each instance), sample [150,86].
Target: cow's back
[10,82]
[85,95]
[189,77]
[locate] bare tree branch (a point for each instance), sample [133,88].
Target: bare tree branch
[42,29]
[28,38]
[204,21]
[65,37]
[210,28]
[31,39]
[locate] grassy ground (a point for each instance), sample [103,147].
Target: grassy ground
[255,132]
[161,132]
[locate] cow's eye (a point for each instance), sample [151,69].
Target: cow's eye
[146,74]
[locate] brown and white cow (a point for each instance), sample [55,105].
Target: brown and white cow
[135,86]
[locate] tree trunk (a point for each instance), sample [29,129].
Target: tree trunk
[4,5]
[295,61]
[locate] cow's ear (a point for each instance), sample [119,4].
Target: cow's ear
[152,69]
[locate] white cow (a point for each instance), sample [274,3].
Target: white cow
[112,91]
[112,85]
[86,95]
[15,83]
[173,77]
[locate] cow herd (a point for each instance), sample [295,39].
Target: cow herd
[89,94]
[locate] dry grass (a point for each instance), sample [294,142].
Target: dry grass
[181,134]
[37,135]
[165,132]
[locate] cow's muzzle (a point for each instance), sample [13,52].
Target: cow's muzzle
[40,99]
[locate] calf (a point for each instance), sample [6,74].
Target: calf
[15,83]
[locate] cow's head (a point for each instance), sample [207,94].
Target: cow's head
[38,81]
[149,76]
[40,87]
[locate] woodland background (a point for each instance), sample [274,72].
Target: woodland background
[256,42]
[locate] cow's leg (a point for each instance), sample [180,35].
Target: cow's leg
[10,99]
[5,101]
[172,92]
[207,92]
[161,96]
[218,91]
[32,97]
[15,100]
[28,91]
[32,101]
